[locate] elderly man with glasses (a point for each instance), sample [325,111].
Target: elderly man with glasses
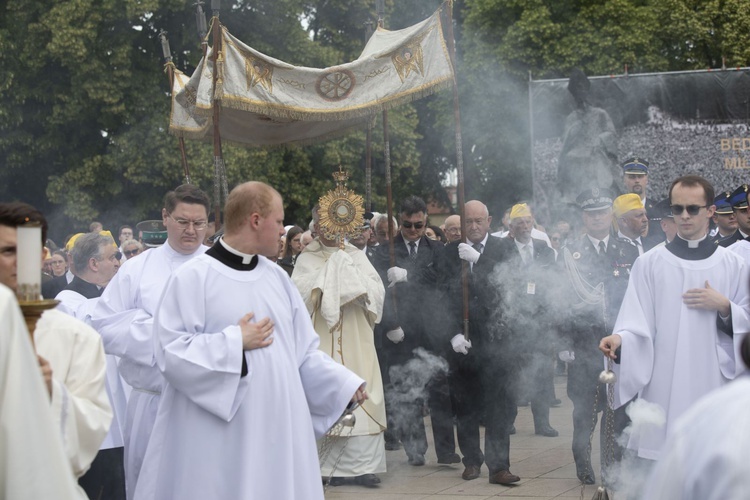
[683,318]
[124,315]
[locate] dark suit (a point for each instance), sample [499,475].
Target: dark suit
[486,376]
[529,300]
[584,327]
[416,307]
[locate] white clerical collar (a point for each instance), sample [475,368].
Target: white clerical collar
[595,242]
[693,243]
[246,257]
[483,242]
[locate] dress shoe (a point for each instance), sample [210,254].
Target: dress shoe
[336,481]
[417,459]
[512,429]
[556,402]
[546,430]
[503,477]
[471,472]
[451,458]
[392,445]
[367,480]
[587,477]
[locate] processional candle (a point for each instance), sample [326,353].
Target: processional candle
[29,255]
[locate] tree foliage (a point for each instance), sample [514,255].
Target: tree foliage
[85,106]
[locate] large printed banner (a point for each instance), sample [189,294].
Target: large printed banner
[685,122]
[265,101]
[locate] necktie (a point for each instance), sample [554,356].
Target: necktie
[412,251]
[478,247]
[528,256]
[602,248]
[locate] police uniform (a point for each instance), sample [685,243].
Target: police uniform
[723,207]
[586,325]
[639,166]
[738,200]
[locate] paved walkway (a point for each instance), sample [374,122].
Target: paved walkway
[544,464]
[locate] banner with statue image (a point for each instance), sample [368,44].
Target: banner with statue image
[683,122]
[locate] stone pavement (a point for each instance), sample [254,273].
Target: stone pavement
[544,464]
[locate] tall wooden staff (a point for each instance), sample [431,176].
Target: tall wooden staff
[459,165]
[217,60]
[368,142]
[167,53]
[380,5]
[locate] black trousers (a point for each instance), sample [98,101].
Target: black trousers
[477,380]
[105,480]
[589,398]
[406,393]
[538,375]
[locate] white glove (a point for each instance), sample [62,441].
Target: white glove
[396,275]
[566,356]
[396,335]
[460,344]
[468,253]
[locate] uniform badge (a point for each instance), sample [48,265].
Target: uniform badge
[576,255]
[616,273]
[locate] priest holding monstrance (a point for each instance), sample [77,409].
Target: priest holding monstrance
[247,389]
[344,295]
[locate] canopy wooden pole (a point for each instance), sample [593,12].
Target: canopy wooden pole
[368,142]
[218,157]
[459,165]
[380,5]
[167,53]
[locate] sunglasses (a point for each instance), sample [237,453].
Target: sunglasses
[409,225]
[691,209]
[130,253]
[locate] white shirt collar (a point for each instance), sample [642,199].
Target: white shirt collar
[246,257]
[595,242]
[483,242]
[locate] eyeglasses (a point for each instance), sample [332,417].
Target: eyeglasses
[58,262]
[130,253]
[115,256]
[185,223]
[409,225]
[691,209]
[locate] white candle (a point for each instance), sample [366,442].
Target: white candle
[29,253]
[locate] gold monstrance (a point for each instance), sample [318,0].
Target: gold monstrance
[341,211]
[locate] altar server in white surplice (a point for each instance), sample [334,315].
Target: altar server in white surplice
[706,455]
[247,390]
[683,318]
[32,460]
[124,316]
[72,360]
[344,294]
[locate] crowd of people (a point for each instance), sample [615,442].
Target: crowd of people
[185,364]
